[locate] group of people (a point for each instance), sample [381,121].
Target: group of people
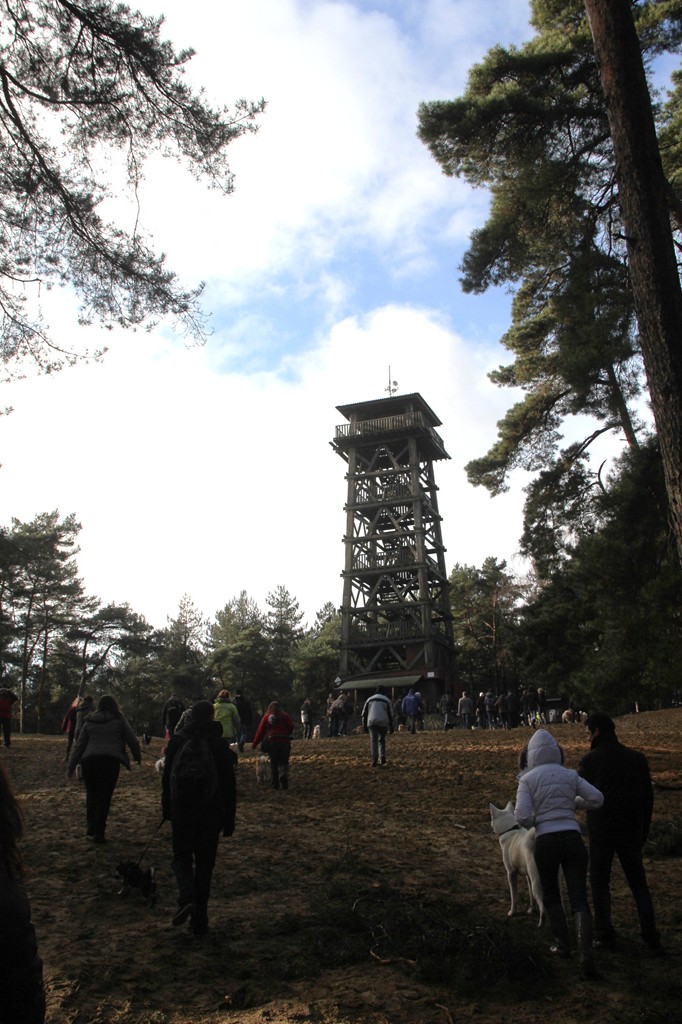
[198,779]
[490,710]
[613,784]
[198,796]
[199,791]
[235,714]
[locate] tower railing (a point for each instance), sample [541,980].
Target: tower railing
[387,424]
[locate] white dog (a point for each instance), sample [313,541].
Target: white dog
[263,768]
[316,732]
[160,765]
[518,856]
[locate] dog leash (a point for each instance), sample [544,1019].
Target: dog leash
[153,837]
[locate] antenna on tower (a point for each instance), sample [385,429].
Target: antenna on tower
[392,384]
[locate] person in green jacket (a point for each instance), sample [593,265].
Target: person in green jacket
[226,713]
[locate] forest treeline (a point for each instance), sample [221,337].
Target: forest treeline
[56,641]
[596,620]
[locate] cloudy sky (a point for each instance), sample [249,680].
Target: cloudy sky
[207,471]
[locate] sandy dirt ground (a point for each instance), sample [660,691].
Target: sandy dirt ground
[360,895]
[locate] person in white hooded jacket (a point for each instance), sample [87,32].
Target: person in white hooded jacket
[547,797]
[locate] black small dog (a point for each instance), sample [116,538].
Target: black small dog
[134,877]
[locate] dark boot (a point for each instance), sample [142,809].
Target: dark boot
[560,937]
[583,931]
[647,920]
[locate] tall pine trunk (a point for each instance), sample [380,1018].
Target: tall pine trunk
[652,266]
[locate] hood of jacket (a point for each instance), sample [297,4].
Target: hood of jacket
[543,749]
[100,717]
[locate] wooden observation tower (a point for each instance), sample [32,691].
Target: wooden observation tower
[396,620]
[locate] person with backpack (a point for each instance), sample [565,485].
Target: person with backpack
[199,798]
[225,712]
[273,734]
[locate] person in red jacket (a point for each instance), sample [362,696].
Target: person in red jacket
[273,734]
[7,699]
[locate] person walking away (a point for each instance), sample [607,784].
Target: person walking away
[85,708]
[377,720]
[336,715]
[531,707]
[198,796]
[7,700]
[619,828]
[448,710]
[101,750]
[513,709]
[465,710]
[346,715]
[173,709]
[542,705]
[502,709]
[490,713]
[225,712]
[273,735]
[22,994]
[69,724]
[410,709]
[546,798]
[307,718]
[421,711]
[481,714]
[245,712]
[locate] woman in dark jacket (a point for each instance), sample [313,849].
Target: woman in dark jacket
[101,750]
[22,997]
[199,808]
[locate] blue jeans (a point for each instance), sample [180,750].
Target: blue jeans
[377,743]
[565,850]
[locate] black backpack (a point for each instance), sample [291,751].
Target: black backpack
[194,777]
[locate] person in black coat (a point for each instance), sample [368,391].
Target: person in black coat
[620,827]
[198,819]
[22,996]
[173,710]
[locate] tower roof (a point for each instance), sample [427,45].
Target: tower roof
[394,405]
